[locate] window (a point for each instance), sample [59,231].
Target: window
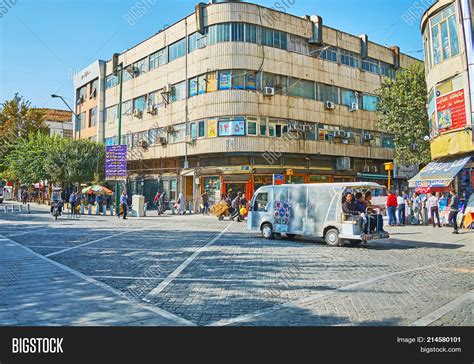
[179,91]
[277,127]
[111,141]
[388,142]
[301,88]
[298,44]
[261,202]
[127,108]
[177,50]
[251,126]
[218,33]
[112,80]
[329,54]
[237,32]
[328,93]
[444,35]
[82,120]
[81,94]
[369,102]
[193,130]
[94,87]
[279,40]
[196,41]
[250,33]
[111,114]
[201,129]
[158,58]
[238,79]
[267,37]
[155,99]
[202,84]
[349,97]
[427,48]
[387,70]
[127,73]
[278,82]
[139,104]
[370,65]
[178,134]
[93,117]
[263,126]
[349,58]
[140,67]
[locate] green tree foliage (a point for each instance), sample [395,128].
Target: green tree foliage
[402,112]
[56,159]
[17,120]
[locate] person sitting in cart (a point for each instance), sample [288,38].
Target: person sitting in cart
[372,210]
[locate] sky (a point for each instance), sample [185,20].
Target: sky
[43,43]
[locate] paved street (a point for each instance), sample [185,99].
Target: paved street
[193,270]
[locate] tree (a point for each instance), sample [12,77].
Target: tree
[17,120]
[402,112]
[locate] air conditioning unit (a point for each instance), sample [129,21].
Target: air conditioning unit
[167,89]
[161,140]
[330,105]
[349,135]
[151,109]
[368,137]
[343,163]
[354,106]
[269,91]
[138,114]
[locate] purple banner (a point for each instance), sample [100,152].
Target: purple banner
[116,162]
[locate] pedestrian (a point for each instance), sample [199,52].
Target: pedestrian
[124,204]
[161,203]
[432,204]
[392,208]
[205,203]
[156,198]
[453,211]
[401,209]
[24,197]
[72,202]
[99,199]
[236,206]
[417,207]
[181,204]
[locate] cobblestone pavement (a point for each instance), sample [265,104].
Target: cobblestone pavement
[179,270]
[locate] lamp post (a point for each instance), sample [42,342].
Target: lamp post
[76,117]
[119,141]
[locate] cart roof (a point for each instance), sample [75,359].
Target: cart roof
[340,185]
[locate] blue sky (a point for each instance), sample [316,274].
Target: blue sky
[44,42]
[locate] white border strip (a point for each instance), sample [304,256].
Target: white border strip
[443,310]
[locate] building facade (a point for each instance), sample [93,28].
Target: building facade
[236,94]
[448,36]
[59,122]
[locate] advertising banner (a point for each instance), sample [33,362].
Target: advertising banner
[116,162]
[212,128]
[193,87]
[235,127]
[224,80]
[451,110]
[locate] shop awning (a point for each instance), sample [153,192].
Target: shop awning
[438,174]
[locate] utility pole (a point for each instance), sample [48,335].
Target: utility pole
[119,142]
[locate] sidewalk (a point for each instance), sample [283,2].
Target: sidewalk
[36,291]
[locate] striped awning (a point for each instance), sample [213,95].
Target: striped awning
[438,174]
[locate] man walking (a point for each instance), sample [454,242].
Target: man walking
[401,209]
[453,212]
[72,202]
[205,203]
[123,204]
[392,208]
[432,205]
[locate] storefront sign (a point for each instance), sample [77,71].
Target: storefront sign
[278,179]
[193,87]
[451,110]
[235,127]
[405,171]
[212,128]
[202,84]
[251,81]
[116,162]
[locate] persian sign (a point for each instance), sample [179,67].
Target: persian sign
[116,162]
[451,110]
[232,127]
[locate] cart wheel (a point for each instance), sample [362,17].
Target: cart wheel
[267,231]
[332,237]
[221,217]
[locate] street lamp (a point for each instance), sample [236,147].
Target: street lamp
[76,117]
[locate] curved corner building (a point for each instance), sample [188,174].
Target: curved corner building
[237,94]
[448,36]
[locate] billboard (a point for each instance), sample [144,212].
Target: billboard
[235,127]
[116,162]
[451,109]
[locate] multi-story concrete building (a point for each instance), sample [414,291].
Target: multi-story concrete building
[448,36]
[236,93]
[59,122]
